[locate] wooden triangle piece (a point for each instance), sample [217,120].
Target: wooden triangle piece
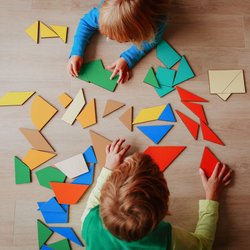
[187,96]
[111,106]
[224,97]
[65,100]
[197,109]
[15,98]
[61,31]
[33,31]
[46,31]
[127,118]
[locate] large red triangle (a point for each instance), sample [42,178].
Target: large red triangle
[191,125]
[209,135]
[187,96]
[197,109]
[163,156]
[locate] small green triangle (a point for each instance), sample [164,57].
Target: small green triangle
[22,172]
[151,79]
[60,245]
[43,233]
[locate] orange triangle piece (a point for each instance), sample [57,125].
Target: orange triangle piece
[209,135]
[163,156]
[187,96]
[67,193]
[112,106]
[191,125]
[127,118]
[197,109]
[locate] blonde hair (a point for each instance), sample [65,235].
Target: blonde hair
[134,199]
[131,20]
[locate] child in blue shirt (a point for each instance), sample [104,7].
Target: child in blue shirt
[138,21]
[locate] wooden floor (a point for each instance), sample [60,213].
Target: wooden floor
[213,34]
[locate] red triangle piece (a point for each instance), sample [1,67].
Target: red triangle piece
[187,96]
[67,193]
[191,125]
[209,135]
[163,156]
[197,109]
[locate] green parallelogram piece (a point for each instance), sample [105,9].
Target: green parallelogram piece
[165,76]
[43,233]
[22,172]
[151,79]
[60,245]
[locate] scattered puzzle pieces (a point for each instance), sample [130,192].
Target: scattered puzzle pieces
[86,179]
[65,100]
[187,96]
[167,114]
[33,31]
[15,98]
[44,233]
[111,106]
[22,172]
[197,109]
[151,79]
[127,118]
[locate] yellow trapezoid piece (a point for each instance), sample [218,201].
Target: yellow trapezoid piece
[15,98]
[61,31]
[46,32]
[65,100]
[33,31]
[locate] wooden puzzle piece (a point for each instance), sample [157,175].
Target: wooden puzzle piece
[33,31]
[89,155]
[36,139]
[190,124]
[61,31]
[22,172]
[163,156]
[15,98]
[197,109]
[73,166]
[127,118]
[224,97]
[44,233]
[209,135]
[49,174]
[46,31]
[151,79]
[165,76]
[74,108]
[167,114]
[163,90]
[111,106]
[86,179]
[35,158]
[65,100]
[60,245]
[187,96]
[87,116]
[41,112]
[67,193]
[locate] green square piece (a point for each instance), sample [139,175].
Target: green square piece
[151,79]
[44,233]
[165,76]
[22,172]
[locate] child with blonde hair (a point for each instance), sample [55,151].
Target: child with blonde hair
[141,22]
[125,210]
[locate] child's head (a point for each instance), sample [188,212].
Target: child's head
[134,199]
[131,20]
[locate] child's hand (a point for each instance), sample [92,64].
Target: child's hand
[74,65]
[120,67]
[115,153]
[217,180]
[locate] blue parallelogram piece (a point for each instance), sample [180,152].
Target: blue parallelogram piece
[87,178]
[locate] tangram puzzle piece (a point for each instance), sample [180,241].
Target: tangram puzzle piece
[65,100]
[167,114]
[22,172]
[155,133]
[46,32]
[44,233]
[87,116]
[74,108]
[224,97]
[35,158]
[89,155]
[36,139]
[197,109]
[15,98]
[60,245]
[73,166]
[67,193]
[163,90]
[190,124]
[41,112]
[33,31]
[209,135]
[111,106]
[86,179]
[163,156]
[61,31]
[165,76]
[99,143]
[187,96]
[166,54]
[149,114]
[68,233]
[49,174]
[44,247]
[127,118]
[184,72]
[151,79]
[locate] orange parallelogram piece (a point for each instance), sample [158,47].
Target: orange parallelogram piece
[197,109]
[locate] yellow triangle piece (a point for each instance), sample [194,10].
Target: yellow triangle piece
[15,98]
[46,32]
[61,31]
[149,114]
[65,100]
[35,158]
[87,117]
[32,31]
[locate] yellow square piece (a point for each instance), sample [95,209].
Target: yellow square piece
[15,98]
[61,31]
[65,100]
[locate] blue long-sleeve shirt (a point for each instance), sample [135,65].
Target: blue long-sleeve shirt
[89,24]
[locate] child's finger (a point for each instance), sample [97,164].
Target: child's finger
[227,176]
[107,149]
[216,170]
[112,66]
[203,177]
[75,70]
[113,144]
[124,150]
[121,75]
[118,145]
[223,171]
[115,72]
[227,183]
[71,70]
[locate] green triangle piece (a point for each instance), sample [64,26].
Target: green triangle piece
[184,72]
[151,79]
[49,174]
[60,245]
[165,76]
[22,172]
[43,233]
[163,90]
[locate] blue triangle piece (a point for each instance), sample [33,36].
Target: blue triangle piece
[86,179]
[167,114]
[155,133]
[89,155]
[51,205]
[68,233]
[163,90]
[165,76]
[184,72]
[44,247]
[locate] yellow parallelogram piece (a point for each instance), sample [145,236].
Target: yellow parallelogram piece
[33,31]
[61,31]
[65,100]
[46,32]
[15,98]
